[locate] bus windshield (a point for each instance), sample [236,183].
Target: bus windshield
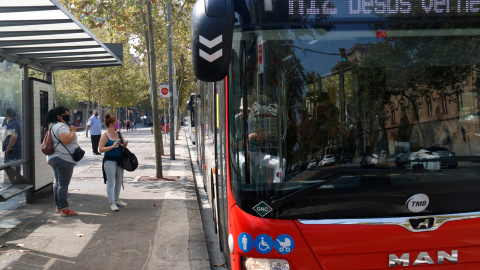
[367,114]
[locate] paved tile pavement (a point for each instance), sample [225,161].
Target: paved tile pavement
[161,228]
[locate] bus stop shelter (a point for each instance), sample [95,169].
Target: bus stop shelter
[38,35]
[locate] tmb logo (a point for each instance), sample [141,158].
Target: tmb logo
[417,203]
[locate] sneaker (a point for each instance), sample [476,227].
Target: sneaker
[120,203]
[68,212]
[114,208]
[58,210]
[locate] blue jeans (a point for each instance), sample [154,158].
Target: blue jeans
[114,175]
[63,171]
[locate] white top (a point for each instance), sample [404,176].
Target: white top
[95,125]
[59,150]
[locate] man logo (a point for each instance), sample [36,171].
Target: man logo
[417,203]
[422,258]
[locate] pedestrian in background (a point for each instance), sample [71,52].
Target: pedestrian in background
[111,144]
[128,125]
[95,127]
[61,160]
[12,145]
[134,125]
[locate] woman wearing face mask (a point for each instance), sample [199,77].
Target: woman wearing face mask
[61,160]
[111,143]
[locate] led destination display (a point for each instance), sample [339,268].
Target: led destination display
[354,8]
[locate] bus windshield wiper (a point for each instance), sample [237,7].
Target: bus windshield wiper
[277,203]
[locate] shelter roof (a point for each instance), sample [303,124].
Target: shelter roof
[45,36]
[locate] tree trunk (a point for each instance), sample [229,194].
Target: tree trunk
[148,26]
[179,90]
[88,110]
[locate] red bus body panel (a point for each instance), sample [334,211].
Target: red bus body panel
[352,247]
[301,257]
[369,246]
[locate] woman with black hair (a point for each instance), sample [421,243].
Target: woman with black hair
[61,160]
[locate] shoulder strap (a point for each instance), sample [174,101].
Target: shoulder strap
[60,141]
[119,136]
[53,133]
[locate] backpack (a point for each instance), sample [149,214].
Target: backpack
[47,144]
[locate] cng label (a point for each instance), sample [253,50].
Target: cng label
[262,209]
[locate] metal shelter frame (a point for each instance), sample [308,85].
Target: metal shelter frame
[45,36]
[42,35]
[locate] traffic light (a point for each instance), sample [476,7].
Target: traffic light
[343,54]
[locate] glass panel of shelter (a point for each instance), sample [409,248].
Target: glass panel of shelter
[11,118]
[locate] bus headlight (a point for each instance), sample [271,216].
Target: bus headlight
[266,264]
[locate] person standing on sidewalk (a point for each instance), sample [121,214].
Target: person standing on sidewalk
[95,128]
[61,160]
[111,143]
[12,145]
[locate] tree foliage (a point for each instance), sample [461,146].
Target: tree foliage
[120,21]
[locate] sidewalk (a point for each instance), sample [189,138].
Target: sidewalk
[161,228]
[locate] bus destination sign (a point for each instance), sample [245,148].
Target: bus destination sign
[355,8]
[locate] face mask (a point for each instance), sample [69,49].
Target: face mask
[96,114]
[117,126]
[66,118]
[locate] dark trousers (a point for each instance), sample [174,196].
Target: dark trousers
[63,171]
[12,155]
[95,139]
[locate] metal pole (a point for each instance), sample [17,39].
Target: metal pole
[170,83]
[164,119]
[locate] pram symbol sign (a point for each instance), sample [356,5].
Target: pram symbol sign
[263,243]
[284,244]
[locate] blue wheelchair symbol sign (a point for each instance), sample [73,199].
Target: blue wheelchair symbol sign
[284,244]
[245,242]
[263,243]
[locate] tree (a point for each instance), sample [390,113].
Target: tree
[119,17]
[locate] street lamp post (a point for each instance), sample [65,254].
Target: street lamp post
[170,82]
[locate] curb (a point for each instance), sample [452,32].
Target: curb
[217,260]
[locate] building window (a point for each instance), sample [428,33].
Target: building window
[444,103]
[464,134]
[429,105]
[392,111]
[460,101]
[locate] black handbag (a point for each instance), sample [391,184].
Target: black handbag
[129,160]
[77,154]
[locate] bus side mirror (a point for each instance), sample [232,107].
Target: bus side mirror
[212,32]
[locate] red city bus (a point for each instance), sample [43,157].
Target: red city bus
[285,85]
